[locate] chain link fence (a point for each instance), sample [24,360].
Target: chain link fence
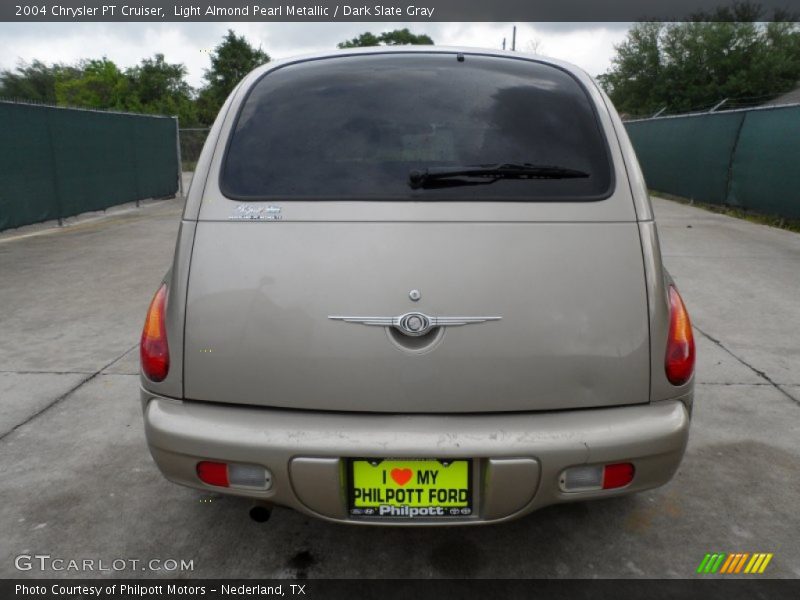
[59,162]
[746,159]
[191,142]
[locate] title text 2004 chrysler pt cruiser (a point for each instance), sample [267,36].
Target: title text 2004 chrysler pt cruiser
[417,286]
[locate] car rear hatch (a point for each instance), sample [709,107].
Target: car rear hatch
[310,214]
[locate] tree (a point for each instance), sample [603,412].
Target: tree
[35,81]
[231,60]
[633,82]
[158,87]
[403,37]
[693,65]
[364,40]
[535,46]
[397,37]
[99,84]
[154,86]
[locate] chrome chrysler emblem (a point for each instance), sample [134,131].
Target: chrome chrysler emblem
[414,323]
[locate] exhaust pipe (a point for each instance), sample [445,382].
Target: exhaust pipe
[260,513]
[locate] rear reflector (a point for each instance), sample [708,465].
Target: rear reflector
[617,476]
[679,363]
[236,474]
[586,478]
[153,349]
[213,473]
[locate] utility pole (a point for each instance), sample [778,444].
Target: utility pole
[504,43]
[514,39]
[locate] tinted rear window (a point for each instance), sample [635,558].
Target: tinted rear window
[355,127]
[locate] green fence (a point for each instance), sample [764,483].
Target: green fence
[58,162]
[749,159]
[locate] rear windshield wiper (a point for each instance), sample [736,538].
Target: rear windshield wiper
[449,176]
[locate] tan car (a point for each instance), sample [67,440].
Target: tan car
[417,286]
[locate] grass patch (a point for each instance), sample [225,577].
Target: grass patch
[739,213]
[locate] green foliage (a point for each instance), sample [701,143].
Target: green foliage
[158,87]
[154,86]
[35,81]
[693,65]
[398,37]
[231,60]
[362,41]
[99,84]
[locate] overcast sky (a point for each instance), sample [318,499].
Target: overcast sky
[589,45]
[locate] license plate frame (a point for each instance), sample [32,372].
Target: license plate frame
[452,508]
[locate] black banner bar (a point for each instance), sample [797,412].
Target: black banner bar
[380,11]
[750,587]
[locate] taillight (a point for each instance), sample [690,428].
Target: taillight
[679,363]
[587,478]
[153,350]
[237,474]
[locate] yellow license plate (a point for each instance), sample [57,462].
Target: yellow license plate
[409,488]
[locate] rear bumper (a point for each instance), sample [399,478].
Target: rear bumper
[519,457]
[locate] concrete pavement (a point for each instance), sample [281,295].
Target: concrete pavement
[79,483]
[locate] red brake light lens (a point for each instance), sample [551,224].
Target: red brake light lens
[617,476]
[154,350]
[679,362]
[213,473]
